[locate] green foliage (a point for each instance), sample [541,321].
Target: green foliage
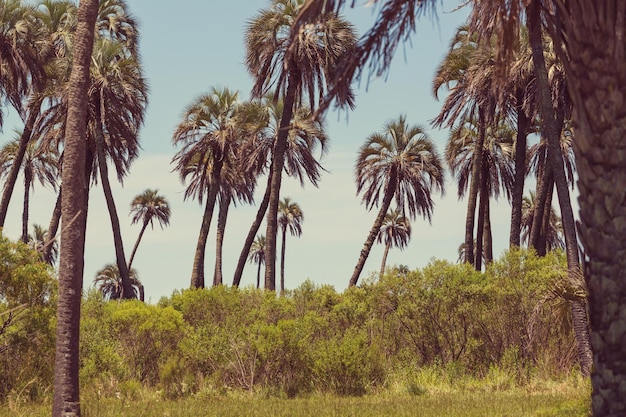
[27,313]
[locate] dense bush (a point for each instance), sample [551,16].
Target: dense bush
[505,325]
[27,320]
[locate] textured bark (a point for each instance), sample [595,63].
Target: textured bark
[127,287]
[28,180]
[254,228]
[385,253]
[219,240]
[482,213]
[282,259]
[597,81]
[552,134]
[390,191]
[520,175]
[278,160]
[487,236]
[9,184]
[141,232]
[197,271]
[542,242]
[66,400]
[52,228]
[473,191]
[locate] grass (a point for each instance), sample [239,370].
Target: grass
[564,399]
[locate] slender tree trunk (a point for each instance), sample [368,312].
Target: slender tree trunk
[282,260]
[52,229]
[552,134]
[597,83]
[520,174]
[542,243]
[482,211]
[9,184]
[382,266]
[219,239]
[127,287]
[258,276]
[132,255]
[243,256]
[543,186]
[28,180]
[473,191]
[66,400]
[390,191]
[487,235]
[197,271]
[278,159]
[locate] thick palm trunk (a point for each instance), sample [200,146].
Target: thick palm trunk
[382,265]
[278,160]
[132,255]
[197,271]
[219,240]
[282,260]
[473,191]
[520,175]
[52,228]
[11,179]
[597,82]
[552,134]
[245,251]
[120,257]
[390,191]
[542,243]
[544,185]
[487,236]
[28,179]
[66,400]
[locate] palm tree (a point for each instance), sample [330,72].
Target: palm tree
[74,211]
[395,231]
[296,66]
[38,164]
[145,208]
[38,241]
[289,217]
[305,134]
[208,134]
[257,256]
[109,282]
[553,236]
[399,163]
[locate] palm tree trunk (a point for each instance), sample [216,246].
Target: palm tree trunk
[66,399]
[480,230]
[382,265]
[545,183]
[132,255]
[278,159]
[127,287]
[52,228]
[197,271]
[487,236]
[520,174]
[282,261]
[473,191]
[542,243]
[258,276]
[11,179]
[28,179]
[596,80]
[549,130]
[243,256]
[390,191]
[219,240]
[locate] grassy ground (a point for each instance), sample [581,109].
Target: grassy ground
[565,401]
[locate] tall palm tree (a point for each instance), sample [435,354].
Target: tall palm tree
[66,398]
[145,208]
[289,217]
[38,241]
[554,233]
[395,231]
[208,134]
[304,136]
[109,282]
[257,256]
[399,163]
[296,66]
[497,171]
[38,164]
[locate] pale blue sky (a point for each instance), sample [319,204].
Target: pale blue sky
[189,46]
